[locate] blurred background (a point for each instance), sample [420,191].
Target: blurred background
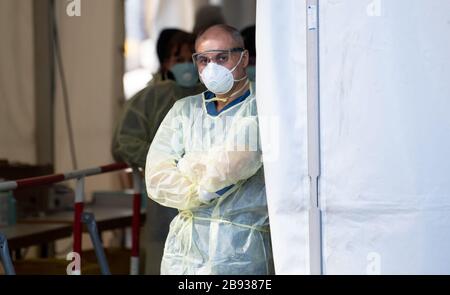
[107,54]
[67,67]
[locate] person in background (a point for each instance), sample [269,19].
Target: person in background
[144,112]
[249,40]
[141,117]
[163,50]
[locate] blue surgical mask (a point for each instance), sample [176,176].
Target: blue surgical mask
[251,73]
[185,74]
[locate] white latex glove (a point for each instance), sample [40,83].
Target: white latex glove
[192,166]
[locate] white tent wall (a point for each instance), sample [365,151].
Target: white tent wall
[92,56]
[384,124]
[17,98]
[385,127]
[91,46]
[282,107]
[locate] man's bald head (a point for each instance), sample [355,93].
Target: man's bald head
[225,38]
[225,33]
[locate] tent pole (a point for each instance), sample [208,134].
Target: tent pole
[315,222]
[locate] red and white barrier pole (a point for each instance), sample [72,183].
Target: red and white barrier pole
[80,176]
[55,178]
[136,222]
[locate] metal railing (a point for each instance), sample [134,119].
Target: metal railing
[80,217]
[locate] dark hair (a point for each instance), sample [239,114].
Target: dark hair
[178,40]
[249,39]
[163,44]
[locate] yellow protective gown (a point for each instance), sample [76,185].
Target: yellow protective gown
[209,167]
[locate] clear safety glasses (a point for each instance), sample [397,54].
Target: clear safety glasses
[219,57]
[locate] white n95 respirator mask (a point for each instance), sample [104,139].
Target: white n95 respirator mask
[219,79]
